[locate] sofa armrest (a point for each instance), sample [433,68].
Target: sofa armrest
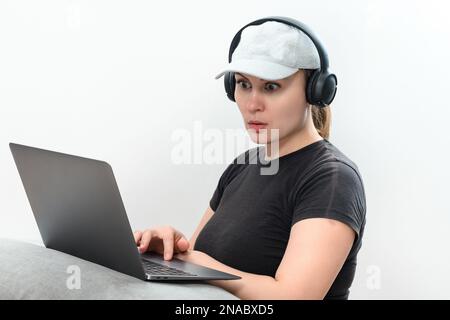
[30,271]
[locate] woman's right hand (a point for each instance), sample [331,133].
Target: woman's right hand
[163,240]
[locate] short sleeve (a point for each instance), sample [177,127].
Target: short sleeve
[223,181]
[230,172]
[334,190]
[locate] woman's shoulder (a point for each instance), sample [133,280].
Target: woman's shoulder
[325,163]
[330,156]
[331,173]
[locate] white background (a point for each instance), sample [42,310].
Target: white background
[113,80]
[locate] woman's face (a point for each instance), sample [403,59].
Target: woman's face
[279,104]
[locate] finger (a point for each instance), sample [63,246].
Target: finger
[168,240]
[145,241]
[137,236]
[182,244]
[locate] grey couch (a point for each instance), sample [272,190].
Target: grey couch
[30,271]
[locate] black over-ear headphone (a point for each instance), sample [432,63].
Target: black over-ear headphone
[322,85]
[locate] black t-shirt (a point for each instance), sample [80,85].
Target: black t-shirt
[254,212]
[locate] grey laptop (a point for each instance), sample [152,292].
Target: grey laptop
[79,211]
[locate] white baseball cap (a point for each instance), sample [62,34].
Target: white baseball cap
[272,51]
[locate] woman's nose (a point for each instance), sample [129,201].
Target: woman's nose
[255,102]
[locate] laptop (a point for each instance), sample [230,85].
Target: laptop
[79,211]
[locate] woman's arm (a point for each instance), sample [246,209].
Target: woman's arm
[316,252]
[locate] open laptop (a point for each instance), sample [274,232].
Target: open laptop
[79,211]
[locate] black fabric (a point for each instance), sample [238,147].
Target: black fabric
[254,213]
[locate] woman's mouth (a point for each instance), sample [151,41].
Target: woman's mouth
[257,125]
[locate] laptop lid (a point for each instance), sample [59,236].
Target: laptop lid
[78,208]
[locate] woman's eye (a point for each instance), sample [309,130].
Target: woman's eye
[272,86]
[241,82]
[268,87]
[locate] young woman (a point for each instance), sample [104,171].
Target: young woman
[293,234]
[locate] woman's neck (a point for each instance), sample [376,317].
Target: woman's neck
[291,143]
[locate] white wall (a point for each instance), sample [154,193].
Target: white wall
[113,80]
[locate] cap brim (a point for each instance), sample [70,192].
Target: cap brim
[258,68]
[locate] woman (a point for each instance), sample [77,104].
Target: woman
[294,233]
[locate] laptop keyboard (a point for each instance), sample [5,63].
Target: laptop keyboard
[160,269]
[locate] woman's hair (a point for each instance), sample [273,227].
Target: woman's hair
[321,116]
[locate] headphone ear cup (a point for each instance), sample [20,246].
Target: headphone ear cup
[230,84]
[310,88]
[328,88]
[321,88]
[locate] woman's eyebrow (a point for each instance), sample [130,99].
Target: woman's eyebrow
[241,75]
